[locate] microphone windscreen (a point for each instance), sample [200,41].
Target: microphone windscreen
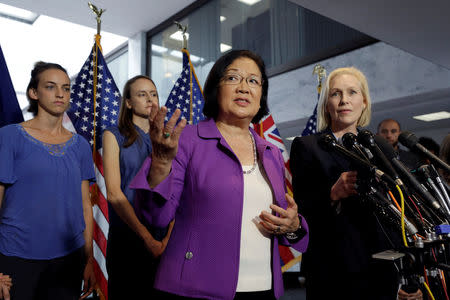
[385,147]
[327,141]
[365,138]
[408,139]
[348,139]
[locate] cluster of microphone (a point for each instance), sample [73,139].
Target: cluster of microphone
[414,203]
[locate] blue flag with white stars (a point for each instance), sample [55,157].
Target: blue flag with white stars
[311,125]
[89,115]
[186,94]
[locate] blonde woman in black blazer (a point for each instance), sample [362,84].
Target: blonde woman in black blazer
[343,231]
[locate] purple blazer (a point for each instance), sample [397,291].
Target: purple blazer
[204,193]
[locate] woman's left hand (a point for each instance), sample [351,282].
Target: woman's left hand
[288,221]
[88,279]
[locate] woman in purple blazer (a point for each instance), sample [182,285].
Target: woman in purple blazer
[224,186]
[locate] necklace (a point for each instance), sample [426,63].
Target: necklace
[254,156]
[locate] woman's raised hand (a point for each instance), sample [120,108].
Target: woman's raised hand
[164,142]
[164,137]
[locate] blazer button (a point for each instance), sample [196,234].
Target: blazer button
[189,255]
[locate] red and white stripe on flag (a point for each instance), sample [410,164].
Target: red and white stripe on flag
[101,221]
[101,227]
[95,103]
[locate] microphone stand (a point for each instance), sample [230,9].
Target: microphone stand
[421,257]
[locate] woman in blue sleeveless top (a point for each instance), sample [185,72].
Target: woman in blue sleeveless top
[133,247]
[45,209]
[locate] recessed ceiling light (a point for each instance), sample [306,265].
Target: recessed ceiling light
[249,2]
[224,47]
[17,14]
[440,115]
[222,18]
[179,36]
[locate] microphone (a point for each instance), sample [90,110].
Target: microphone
[390,210]
[424,170]
[350,142]
[409,140]
[440,182]
[367,139]
[328,142]
[401,168]
[385,152]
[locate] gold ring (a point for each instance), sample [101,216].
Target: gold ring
[166,135]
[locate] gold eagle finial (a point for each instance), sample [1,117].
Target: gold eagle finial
[98,13]
[183,30]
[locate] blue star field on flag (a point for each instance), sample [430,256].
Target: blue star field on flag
[180,95]
[311,125]
[9,106]
[107,102]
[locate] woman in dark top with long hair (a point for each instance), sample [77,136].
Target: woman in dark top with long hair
[133,247]
[45,209]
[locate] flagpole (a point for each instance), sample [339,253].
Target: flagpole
[190,89]
[95,189]
[183,30]
[98,13]
[321,73]
[95,60]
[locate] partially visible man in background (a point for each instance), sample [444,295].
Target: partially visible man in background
[390,130]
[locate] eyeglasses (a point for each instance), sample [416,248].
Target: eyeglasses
[253,81]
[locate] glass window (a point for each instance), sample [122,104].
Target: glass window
[281,32]
[118,66]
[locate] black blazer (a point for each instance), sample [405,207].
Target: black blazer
[342,239]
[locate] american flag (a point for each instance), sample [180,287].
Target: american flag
[95,102]
[186,94]
[267,129]
[9,106]
[311,125]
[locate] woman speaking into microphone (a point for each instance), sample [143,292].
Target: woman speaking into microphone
[224,186]
[343,232]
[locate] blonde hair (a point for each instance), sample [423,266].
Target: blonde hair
[323,118]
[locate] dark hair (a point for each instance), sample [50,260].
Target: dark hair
[126,125]
[430,144]
[388,120]
[211,108]
[39,67]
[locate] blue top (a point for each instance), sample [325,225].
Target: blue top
[42,212]
[131,159]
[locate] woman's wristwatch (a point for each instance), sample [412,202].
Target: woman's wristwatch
[294,237]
